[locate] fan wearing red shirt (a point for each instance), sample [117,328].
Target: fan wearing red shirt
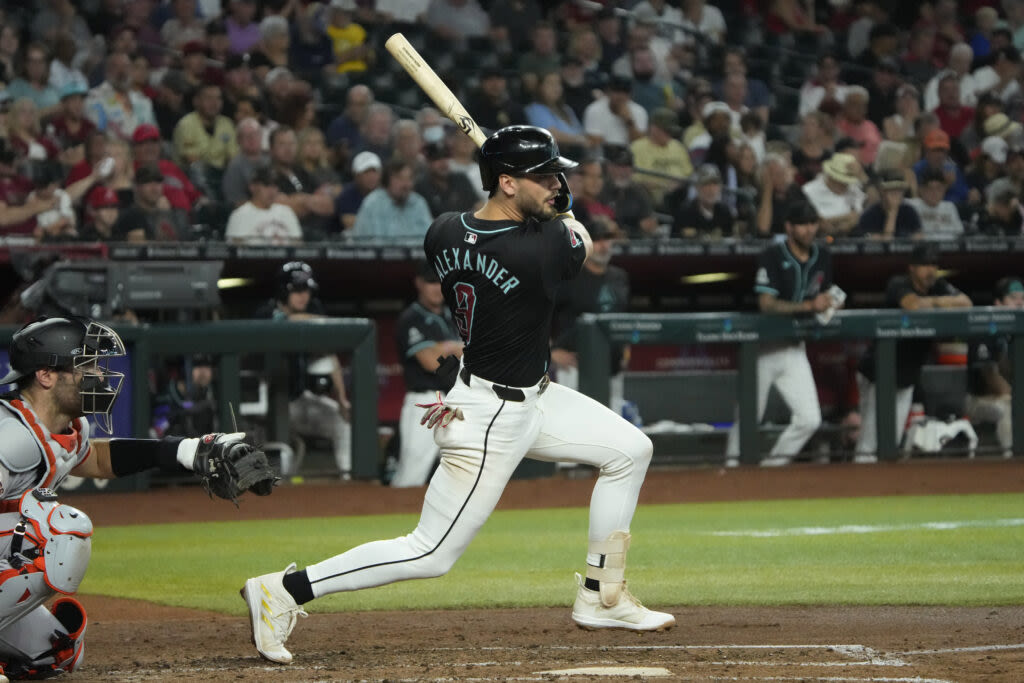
[178,189]
[954,118]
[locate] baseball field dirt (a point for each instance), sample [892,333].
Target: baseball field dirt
[136,641]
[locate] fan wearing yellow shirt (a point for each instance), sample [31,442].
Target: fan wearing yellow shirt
[348,38]
[661,151]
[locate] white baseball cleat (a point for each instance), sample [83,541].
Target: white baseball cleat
[272,614]
[865,459]
[588,612]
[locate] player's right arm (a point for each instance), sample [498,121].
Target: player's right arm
[581,231]
[427,357]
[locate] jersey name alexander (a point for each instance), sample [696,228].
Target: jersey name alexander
[454,258]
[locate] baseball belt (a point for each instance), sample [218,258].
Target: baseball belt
[505,392]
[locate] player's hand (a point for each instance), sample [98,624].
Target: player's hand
[563,358]
[821,303]
[439,413]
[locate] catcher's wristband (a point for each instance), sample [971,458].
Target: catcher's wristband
[128,456]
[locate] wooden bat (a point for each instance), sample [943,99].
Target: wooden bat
[433,86]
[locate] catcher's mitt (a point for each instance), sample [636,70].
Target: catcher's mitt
[228,467]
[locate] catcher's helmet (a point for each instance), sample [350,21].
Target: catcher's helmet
[69,344]
[295,276]
[518,151]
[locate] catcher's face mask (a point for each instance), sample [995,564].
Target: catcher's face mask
[100,385]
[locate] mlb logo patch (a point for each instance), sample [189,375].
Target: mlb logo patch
[471,237]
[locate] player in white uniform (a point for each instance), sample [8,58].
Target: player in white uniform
[500,269]
[793,278]
[61,370]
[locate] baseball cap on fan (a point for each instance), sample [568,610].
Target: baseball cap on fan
[364,161]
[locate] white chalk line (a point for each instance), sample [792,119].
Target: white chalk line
[868,528]
[974,648]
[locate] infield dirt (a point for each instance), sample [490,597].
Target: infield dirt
[135,641]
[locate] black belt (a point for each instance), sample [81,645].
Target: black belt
[503,392]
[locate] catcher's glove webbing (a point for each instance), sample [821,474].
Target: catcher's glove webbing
[228,467]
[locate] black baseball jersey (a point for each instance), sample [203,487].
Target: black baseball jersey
[500,280]
[419,328]
[780,274]
[911,354]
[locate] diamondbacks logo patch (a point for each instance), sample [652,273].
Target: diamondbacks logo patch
[574,239]
[471,237]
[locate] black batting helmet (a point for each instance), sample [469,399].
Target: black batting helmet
[518,151]
[295,276]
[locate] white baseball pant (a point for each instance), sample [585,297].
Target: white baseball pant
[417,451]
[788,369]
[478,457]
[867,443]
[317,415]
[996,409]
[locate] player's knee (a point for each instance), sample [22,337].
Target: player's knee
[643,451]
[436,564]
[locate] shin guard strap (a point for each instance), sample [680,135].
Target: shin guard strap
[612,572]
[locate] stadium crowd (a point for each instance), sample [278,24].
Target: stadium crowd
[283,121]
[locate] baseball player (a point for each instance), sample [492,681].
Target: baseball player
[61,371]
[318,405]
[793,278]
[500,269]
[424,333]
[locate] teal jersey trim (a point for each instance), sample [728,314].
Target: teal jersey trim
[462,217]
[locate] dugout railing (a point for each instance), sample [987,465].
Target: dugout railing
[597,332]
[227,341]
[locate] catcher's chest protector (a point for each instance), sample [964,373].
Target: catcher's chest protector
[31,454]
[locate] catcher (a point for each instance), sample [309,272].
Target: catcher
[60,368]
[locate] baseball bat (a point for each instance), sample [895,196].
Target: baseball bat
[414,64]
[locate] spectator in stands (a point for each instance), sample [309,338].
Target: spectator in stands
[169,104]
[920,289]
[899,127]
[312,158]
[10,44]
[17,212]
[394,209]
[366,172]
[940,219]
[102,210]
[936,158]
[25,133]
[463,151]
[716,123]
[184,26]
[492,106]
[275,41]
[999,124]
[661,151]
[68,127]
[706,215]
[1001,77]
[961,58]
[869,14]
[243,30]
[990,165]
[813,146]
[793,278]
[885,81]
[114,105]
[205,135]
[542,59]
[985,19]
[892,216]
[375,133]
[457,20]
[917,60]
[577,92]
[853,123]
[235,184]
[758,96]
[343,132]
[585,48]
[443,189]
[178,189]
[883,42]
[586,183]
[238,84]
[836,194]
[549,110]
[825,91]
[122,179]
[352,52]
[630,201]
[989,383]
[312,203]
[151,218]
[57,224]
[615,119]
[649,90]
[95,149]
[610,32]
[263,219]
[407,145]
[1002,215]
[63,71]
[33,81]
[193,63]
[734,94]
[779,191]
[954,116]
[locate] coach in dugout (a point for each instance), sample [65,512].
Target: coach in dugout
[793,278]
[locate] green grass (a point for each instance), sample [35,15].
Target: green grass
[527,558]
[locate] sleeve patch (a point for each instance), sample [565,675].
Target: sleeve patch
[574,239]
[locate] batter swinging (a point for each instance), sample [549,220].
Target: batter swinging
[500,269]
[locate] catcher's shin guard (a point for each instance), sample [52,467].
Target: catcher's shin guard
[45,642]
[612,572]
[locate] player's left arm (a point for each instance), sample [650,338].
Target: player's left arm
[581,231]
[97,464]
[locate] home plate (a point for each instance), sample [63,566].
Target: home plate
[648,671]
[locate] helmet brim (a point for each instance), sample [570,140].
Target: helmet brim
[552,166]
